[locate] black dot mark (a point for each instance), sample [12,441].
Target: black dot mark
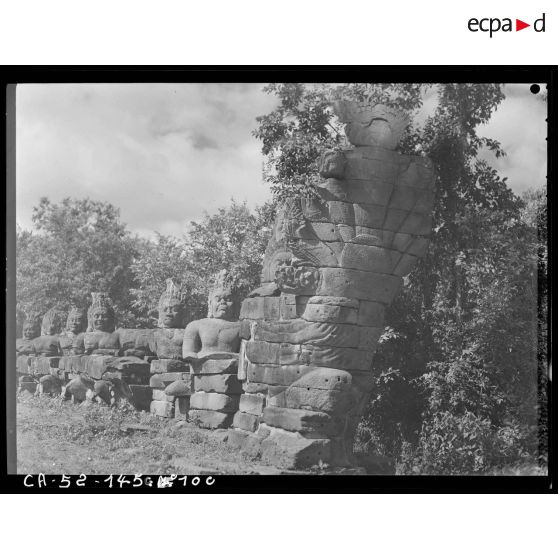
[535,88]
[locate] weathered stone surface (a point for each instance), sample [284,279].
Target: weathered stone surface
[141,396]
[162,408]
[161,381]
[160,395]
[261,352]
[368,338]
[405,265]
[300,331]
[336,357]
[326,379]
[371,313]
[332,401]
[374,191]
[308,422]
[224,366]
[77,388]
[330,314]
[237,437]
[214,402]
[417,223]
[273,374]
[370,258]
[179,388]
[160,366]
[50,385]
[255,387]
[127,376]
[293,451]
[252,403]
[246,421]
[219,383]
[28,387]
[97,365]
[369,215]
[377,287]
[260,308]
[210,419]
[181,408]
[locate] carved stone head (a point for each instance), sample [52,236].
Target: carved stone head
[368,124]
[77,320]
[223,299]
[31,326]
[53,321]
[171,307]
[100,316]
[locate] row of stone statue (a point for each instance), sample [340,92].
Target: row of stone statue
[93,332]
[294,374]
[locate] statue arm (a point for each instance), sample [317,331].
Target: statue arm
[191,342]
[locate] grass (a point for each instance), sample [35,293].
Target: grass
[56,437]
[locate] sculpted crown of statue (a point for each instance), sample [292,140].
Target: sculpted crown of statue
[369,124]
[100,315]
[223,299]
[171,306]
[53,321]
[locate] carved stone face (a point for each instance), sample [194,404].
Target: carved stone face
[30,330]
[170,313]
[221,304]
[101,320]
[50,328]
[75,323]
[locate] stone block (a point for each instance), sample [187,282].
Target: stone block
[246,421]
[331,401]
[127,376]
[274,374]
[237,437]
[161,381]
[336,357]
[377,287]
[299,331]
[368,338]
[97,365]
[418,224]
[160,395]
[181,408]
[358,168]
[260,308]
[369,258]
[419,175]
[252,403]
[162,408]
[326,379]
[300,420]
[371,314]
[28,387]
[262,352]
[287,306]
[291,450]
[162,365]
[214,402]
[254,387]
[179,388]
[341,212]
[141,396]
[405,265]
[373,191]
[219,383]
[213,366]
[276,396]
[370,215]
[326,232]
[49,385]
[210,419]
[419,246]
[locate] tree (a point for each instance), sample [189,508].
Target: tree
[79,246]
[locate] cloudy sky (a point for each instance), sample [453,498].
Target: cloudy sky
[165,153]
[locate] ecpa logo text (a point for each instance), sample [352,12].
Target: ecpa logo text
[494,24]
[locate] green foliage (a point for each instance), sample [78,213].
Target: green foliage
[80,246]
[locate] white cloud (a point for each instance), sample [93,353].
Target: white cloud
[165,153]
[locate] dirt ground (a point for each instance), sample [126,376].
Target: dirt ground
[57,437]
